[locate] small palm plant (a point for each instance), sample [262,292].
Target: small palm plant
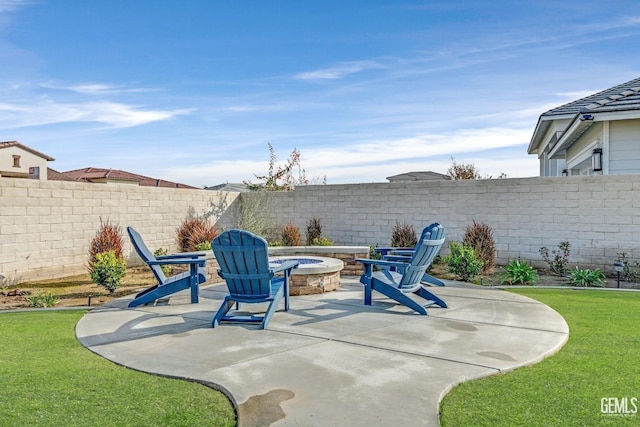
[587,277]
[519,272]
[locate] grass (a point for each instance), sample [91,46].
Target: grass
[48,378]
[600,360]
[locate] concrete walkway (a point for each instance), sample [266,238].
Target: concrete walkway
[331,360]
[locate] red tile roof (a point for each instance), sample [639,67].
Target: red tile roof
[95,174]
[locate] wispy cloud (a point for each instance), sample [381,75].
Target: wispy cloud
[339,71]
[11,5]
[95,88]
[110,113]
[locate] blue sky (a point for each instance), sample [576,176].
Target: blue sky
[192,91]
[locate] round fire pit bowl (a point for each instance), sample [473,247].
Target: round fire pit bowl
[314,275]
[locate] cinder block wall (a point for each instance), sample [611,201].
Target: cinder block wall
[46,226]
[598,215]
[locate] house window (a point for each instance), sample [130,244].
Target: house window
[16,161]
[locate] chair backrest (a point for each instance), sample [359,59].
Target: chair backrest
[429,244]
[244,263]
[146,255]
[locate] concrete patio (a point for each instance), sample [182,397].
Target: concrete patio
[331,360]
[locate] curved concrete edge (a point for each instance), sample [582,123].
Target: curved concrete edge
[530,362]
[376,355]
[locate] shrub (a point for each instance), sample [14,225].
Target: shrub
[373,254]
[629,269]
[462,261]
[480,237]
[403,236]
[166,269]
[290,235]
[252,217]
[195,231]
[108,270]
[321,241]
[42,300]
[314,230]
[558,265]
[586,277]
[519,272]
[108,238]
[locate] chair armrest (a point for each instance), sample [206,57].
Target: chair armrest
[287,265]
[201,262]
[403,252]
[399,258]
[381,263]
[183,255]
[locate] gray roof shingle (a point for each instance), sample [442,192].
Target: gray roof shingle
[623,97]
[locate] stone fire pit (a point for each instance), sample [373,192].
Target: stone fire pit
[314,275]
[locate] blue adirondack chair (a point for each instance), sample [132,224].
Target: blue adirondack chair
[244,264]
[167,286]
[404,255]
[397,285]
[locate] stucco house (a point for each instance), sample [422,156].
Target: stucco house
[599,134]
[19,161]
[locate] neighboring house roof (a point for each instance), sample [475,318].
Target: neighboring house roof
[91,174]
[418,176]
[228,186]
[7,144]
[54,175]
[624,97]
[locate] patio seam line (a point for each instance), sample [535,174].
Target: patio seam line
[494,300]
[342,341]
[501,325]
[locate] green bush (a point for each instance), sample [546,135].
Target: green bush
[166,269]
[203,246]
[107,238]
[403,236]
[42,300]
[321,241]
[558,264]
[586,277]
[519,272]
[108,270]
[629,268]
[462,261]
[373,254]
[480,237]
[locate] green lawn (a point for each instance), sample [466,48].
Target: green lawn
[600,360]
[48,378]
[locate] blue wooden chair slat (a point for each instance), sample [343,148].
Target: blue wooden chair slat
[244,265]
[404,255]
[167,286]
[407,277]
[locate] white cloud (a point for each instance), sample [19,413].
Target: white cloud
[374,161]
[110,113]
[339,71]
[11,5]
[94,88]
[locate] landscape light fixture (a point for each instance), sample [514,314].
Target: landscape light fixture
[596,160]
[618,267]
